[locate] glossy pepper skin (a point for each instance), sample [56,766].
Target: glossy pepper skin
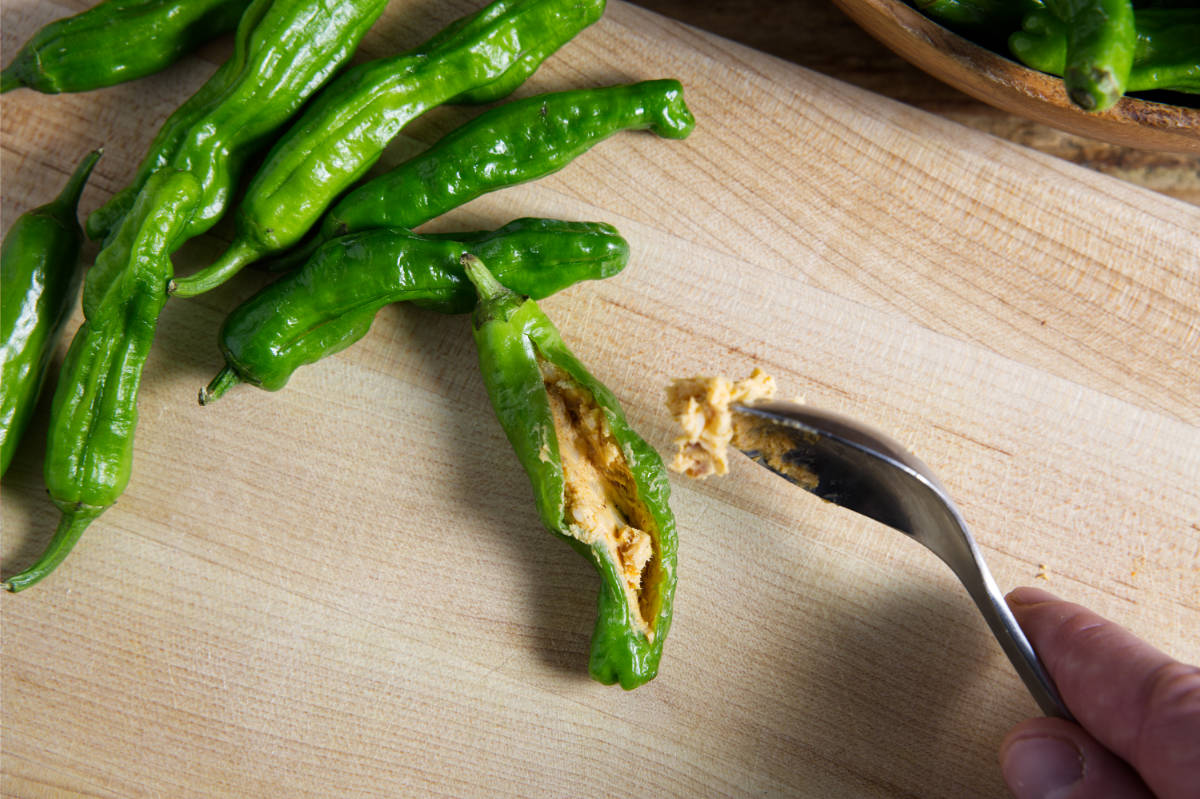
[284,51]
[117,41]
[1166,53]
[349,124]
[89,452]
[330,302]
[40,274]
[525,367]
[1101,39]
[513,143]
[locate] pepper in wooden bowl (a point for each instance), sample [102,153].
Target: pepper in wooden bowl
[970,51]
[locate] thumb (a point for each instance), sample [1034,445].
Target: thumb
[1141,704]
[1056,759]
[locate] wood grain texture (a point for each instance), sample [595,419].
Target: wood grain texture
[342,588]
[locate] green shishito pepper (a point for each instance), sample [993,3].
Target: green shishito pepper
[89,451]
[284,50]
[346,128]
[1101,39]
[330,302]
[39,272]
[510,144]
[117,41]
[596,483]
[1166,53]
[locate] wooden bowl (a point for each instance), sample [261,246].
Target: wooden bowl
[1012,87]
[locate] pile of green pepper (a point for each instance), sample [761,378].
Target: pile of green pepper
[1102,49]
[347,127]
[567,429]
[284,51]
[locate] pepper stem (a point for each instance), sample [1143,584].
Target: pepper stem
[70,527]
[237,256]
[67,201]
[495,301]
[226,379]
[486,285]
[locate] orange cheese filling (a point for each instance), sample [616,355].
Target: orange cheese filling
[702,407]
[600,495]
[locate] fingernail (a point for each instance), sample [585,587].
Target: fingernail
[1028,595]
[1042,768]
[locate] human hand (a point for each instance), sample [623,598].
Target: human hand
[1138,710]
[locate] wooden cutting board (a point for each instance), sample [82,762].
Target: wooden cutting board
[342,588]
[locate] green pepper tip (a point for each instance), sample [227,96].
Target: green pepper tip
[72,524]
[1082,98]
[9,81]
[1093,89]
[225,379]
[68,199]
[675,119]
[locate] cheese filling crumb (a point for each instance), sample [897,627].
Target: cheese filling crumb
[701,406]
[600,495]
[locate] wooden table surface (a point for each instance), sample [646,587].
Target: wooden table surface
[817,35]
[342,588]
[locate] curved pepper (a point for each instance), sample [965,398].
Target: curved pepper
[349,124]
[284,51]
[39,272]
[1101,39]
[596,483]
[89,452]
[1166,54]
[330,302]
[117,41]
[510,144]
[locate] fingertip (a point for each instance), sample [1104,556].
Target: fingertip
[1028,595]
[1037,727]
[1136,702]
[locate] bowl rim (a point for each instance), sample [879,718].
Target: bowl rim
[1005,83]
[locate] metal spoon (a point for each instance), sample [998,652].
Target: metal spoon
[865,471]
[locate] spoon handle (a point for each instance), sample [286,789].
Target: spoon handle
[987,597]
